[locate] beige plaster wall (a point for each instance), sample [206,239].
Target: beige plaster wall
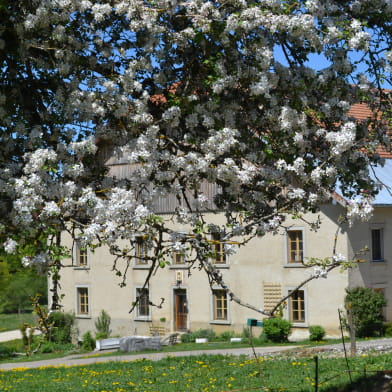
[262,260]
[369,273]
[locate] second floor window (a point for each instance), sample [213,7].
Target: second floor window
[178,257]
[295,246]
[141,251]
[218,249]
[377,245]
[81,257]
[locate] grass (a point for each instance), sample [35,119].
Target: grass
[17,346]
[60,352]
[9,322]
[198,374]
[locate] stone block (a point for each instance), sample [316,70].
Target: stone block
[140,343]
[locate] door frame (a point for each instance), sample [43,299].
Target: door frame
[179,292]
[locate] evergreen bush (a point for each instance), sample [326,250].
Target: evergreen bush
[226,336]
[316,333]
[5,352]
[366,305]
[88,342]
[102,325]
[387,330]
[277,329]
[187,338]
[62,327]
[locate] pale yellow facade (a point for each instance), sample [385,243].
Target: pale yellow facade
[258,273]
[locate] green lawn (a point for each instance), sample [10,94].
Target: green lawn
[8,322]
[199,374]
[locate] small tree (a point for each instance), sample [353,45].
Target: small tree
[62,327]
[102,325]
[366,307]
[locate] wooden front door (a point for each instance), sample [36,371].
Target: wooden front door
[180,310]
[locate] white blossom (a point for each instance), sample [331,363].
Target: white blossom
[320,272]
[144,101]
[10,246]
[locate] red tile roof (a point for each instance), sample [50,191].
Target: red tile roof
[362,112]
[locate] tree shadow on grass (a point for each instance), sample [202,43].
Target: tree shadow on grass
[379,382]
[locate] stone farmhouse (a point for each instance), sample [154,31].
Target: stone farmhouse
[260,273]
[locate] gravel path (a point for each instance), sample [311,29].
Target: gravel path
[87,359]
[378,345]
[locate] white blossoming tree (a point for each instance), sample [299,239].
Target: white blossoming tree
[192,92]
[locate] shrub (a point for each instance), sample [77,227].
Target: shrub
[62,327]
[366,305]
[246,333]
[316,333]
[88,342]
[5,352]
[226,335]
[387,329]
[277,329]
[201,333]
[204,333]
[50,347]
[187,338]
[102,325]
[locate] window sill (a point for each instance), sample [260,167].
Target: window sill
[221,322]
[300,325]
[78,267]
[143,319]
[221,266]
[294,265]
[142,266]
[178,266]
[82,316]
[383,261]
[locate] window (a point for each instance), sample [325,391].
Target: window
[143,305]
[220,305]
[377,245]
[178,257]
[81,256]
[82,301]
[218,249]
[295,246]
[297,307]
[141,251]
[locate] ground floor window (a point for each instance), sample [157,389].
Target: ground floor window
[297,307]
[82,301]
[220,305]
[143,305]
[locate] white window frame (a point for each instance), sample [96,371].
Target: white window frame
[137,264]
[289,263]
[225,264]
[138,316]
[226,321]
[78,314]
[288,309]
[75,256]
[179,265]
[382,243]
